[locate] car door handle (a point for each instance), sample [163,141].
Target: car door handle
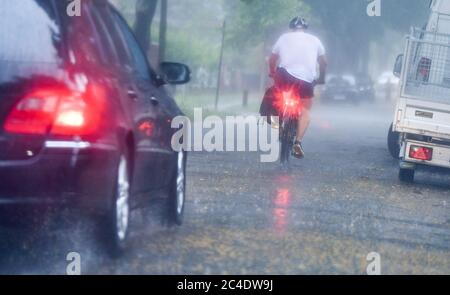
[154,101]
[132,94]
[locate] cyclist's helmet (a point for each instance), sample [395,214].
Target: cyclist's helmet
[298,23]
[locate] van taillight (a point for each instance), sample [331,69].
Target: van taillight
[421,153]
[58,112]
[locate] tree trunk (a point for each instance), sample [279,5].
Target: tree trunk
[163,31]
[145,11]
[364,56]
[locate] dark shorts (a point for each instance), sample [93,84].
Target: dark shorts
[306,90]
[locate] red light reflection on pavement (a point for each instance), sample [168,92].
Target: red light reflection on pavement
[325,125]
[281,210]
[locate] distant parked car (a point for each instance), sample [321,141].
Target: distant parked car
[340,89]
[387,85]
[387,78]
[365,89]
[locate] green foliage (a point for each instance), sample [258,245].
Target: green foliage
[251,22]
[192,50]
[349,30]
[341,16]
[194,32]
[402,14]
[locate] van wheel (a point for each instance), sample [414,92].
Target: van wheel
[406,175]
[116,225]
[394,143]
[177,192]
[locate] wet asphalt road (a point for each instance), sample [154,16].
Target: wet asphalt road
[245,217]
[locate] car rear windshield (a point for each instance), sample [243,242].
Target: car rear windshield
[29,32]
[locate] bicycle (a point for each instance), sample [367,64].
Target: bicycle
[288,104]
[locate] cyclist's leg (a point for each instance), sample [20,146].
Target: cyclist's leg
[306,94]
[304,119]
[303,124]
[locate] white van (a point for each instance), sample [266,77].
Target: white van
[422,116]
[439,20]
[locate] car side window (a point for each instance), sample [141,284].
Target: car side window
[84,40]
[106,42]
[140,64]
[123,55]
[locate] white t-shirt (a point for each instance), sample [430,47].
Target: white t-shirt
[298,52]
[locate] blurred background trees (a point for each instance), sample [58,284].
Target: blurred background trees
[190,31]
[350,33]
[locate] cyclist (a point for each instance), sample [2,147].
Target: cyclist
[294,62]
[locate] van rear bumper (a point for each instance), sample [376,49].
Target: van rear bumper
[441,154]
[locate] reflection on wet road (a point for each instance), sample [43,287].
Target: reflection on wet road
[324,216]
[282,203]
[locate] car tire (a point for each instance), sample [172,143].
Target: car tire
[393,142]
[115,227]
[406,175]
[177,191]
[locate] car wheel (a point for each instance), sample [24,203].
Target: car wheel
[406,175]
[177,191]
[118,217]
[394,143]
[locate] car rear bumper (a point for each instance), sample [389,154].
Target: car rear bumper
[338,96]
[64,173]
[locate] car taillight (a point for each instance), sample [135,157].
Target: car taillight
[421,153]
[57,111]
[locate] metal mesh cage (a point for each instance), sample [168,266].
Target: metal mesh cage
[427,67]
